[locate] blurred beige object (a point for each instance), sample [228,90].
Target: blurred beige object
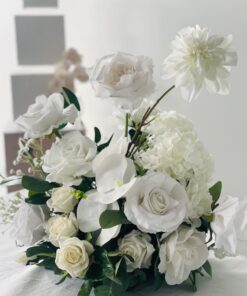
[67,70]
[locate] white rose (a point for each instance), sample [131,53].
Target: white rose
[62,200]
[28,225]
[88,214]
[61,227]
[45,115]
[174,148]
[199,198]
[180,253]
[230,226]
[114,173]
[138,246]
[156,203]
[123,75]
[73,256]
[69,159]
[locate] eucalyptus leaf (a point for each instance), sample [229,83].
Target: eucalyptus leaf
[111,218]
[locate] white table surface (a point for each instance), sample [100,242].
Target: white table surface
[229,278]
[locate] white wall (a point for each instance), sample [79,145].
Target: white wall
[98,27]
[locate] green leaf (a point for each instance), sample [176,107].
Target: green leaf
[86,185]
[111,218]
[104,145]
[37,185]
[62,279]
[215,192]
[103,291]
[86,288]
[49,263]
[72,98]
[97,135]
[37,199]
[43,248]
[208,268]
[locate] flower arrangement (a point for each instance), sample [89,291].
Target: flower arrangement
[136,208]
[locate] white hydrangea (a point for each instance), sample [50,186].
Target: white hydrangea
[175,149]
[199,198]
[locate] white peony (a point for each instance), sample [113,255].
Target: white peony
[138,246]
[230,226]
[175,149]
[69,159]
[28,225]
[73,256]
[114,173]
[199,59]
[123,75]
[62,200]
[60,227]
[88,214]
[180,253]
[199,199]
[45,115]
[156,203]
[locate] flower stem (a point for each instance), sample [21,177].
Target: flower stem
[126,125]
[144,119]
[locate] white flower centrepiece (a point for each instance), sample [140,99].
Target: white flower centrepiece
[62,200]
[123,75]
[156,203]
[69,159]
[60,227]
[73,256]
[230,226]
[200,59]
[138,246]
[180,253]
[45,115]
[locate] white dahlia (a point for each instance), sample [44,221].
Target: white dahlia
[199,59]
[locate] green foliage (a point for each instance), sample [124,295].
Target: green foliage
[208,268]
[111,218]
[37,185]
[97,135]
[86,288]
[43,248]
[215,192]
[86,185]
[49,264]
[72,98]
[104,145]
[37,198]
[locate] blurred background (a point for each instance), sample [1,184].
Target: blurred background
[35,33]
